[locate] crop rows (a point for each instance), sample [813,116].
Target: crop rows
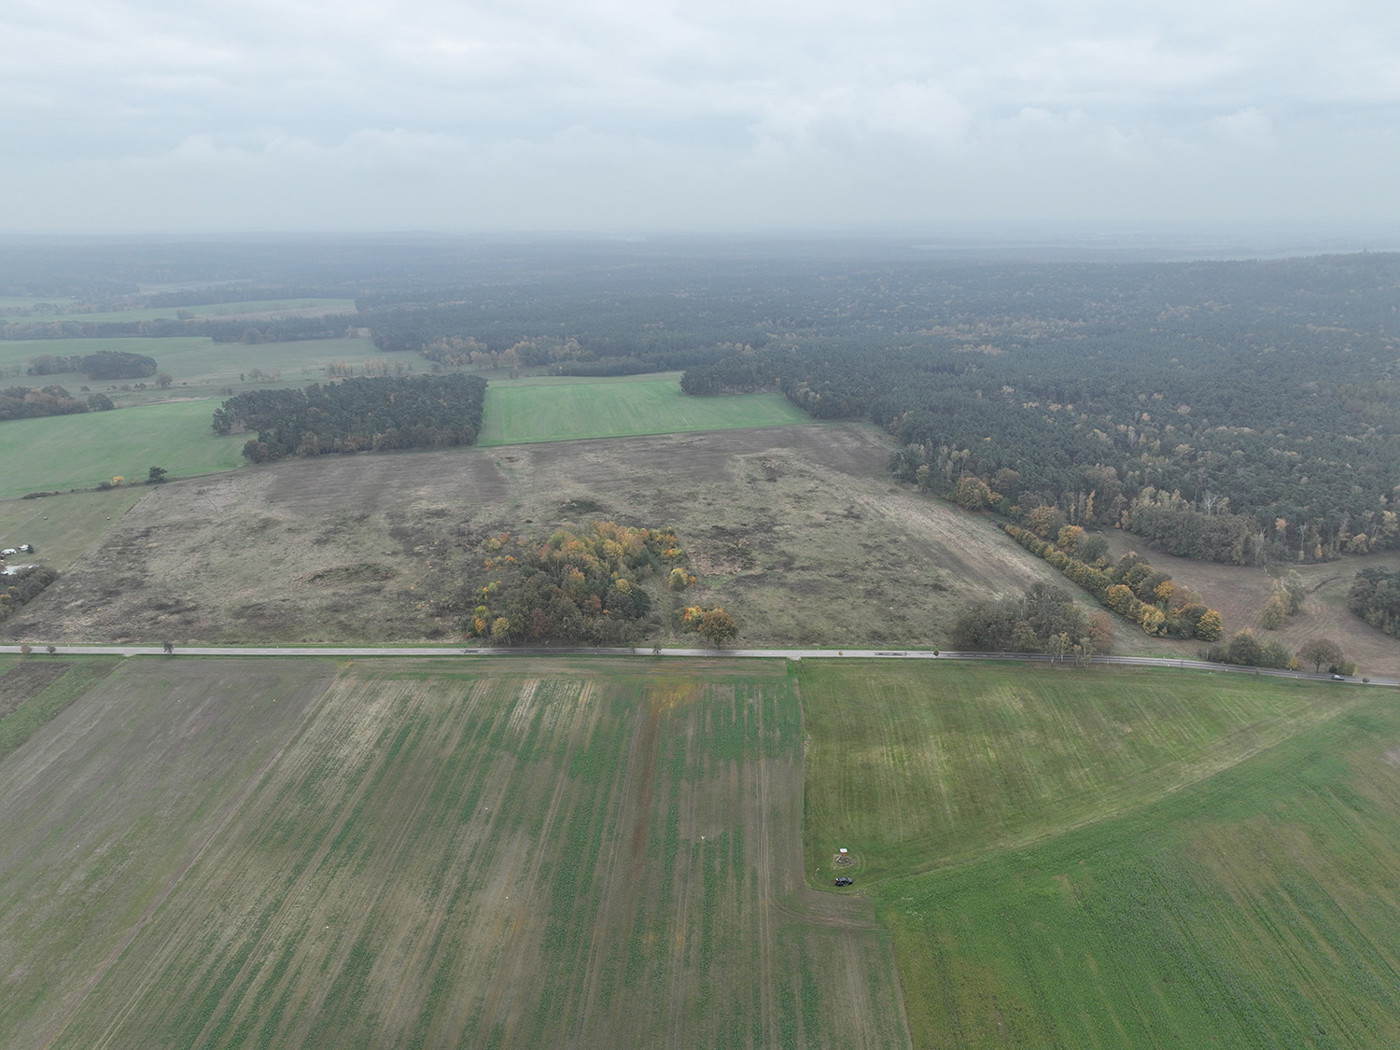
[424,857]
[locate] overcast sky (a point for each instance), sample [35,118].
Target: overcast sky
[598,115]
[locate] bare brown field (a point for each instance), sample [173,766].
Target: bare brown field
[417,853]
[795,530]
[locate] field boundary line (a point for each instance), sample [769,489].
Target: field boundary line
[355,652]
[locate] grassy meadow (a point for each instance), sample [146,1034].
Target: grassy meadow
[568,409]
[62,529]
[936,764]
[412,853]
[1071,858]
[68,452]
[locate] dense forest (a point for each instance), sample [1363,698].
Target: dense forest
[1375,597]
[1235,410]
[356,415]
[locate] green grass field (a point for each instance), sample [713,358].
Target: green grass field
[1118,860]
[67,452]
[64,528]
[568,409]
[935,765]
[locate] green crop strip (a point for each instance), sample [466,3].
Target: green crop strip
[82,674]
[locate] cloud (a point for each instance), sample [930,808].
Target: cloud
[640,112]
[1247,127]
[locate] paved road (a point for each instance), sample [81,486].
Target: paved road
[768,654]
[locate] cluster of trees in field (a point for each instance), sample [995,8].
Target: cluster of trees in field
[1375,597]
[1046,620]
[1131,588]
[1247,650]
[19,402]
[103,364]
[713,624]
[1285,601]
[1043,620]
[353,415]
[573,588]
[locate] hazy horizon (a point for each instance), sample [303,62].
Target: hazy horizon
[990,242]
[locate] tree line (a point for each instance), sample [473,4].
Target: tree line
[20,402]
[102,364]
[270,330]
[354,415]
[1132,588]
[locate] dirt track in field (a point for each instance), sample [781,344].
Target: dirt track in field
[795,530]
